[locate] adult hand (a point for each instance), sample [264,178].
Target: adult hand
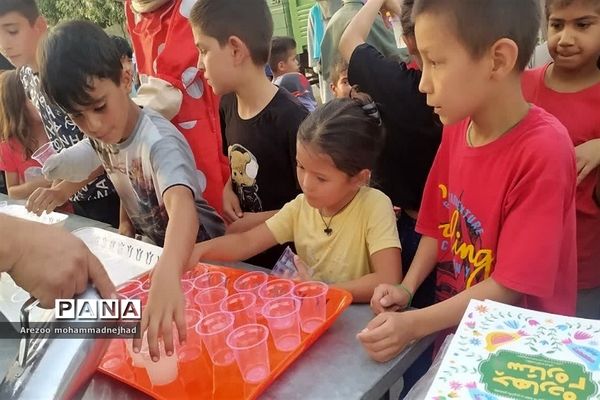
[386,335]
[166,305]
[46,199]
[388,297]
[232,211]
[50,263]
[588,158]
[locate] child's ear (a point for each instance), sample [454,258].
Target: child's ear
[504,55]
[363,178]
[126,78]
[40,25]
[239,50]
[332,87]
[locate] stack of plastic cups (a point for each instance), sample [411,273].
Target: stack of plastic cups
[249,345]
[252,282]
[213,329]
[276,288]
[209,280]
[313,300]
[192,349]
[43,153]
[284,322]
[191,275]
[242,307]
[187,288]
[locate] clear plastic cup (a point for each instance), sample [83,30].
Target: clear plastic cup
[210,279]
[209,300]
[163,371]
[192,349]
[137,359]
[313,297]
[213,330]
[191,275]
[284,322]
[276,288]
[249,345]
[252,282]
[187,288]
[43,153]
[241,305]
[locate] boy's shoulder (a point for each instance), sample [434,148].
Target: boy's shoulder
[284,103]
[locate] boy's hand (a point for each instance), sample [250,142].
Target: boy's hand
[46,199]
[165,305]
[388,298]
[588,158]
[232,211]
[386,335]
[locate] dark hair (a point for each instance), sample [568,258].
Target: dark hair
[249,20]
[558,4]
[123,46]
[27,8]
[408,25]
[280,46]
[72,55]
[14,116]
[339,67]
[480,23]
[347,130]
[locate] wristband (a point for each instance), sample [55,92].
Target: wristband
[410,295]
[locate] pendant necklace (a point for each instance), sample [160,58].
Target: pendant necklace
[328,229]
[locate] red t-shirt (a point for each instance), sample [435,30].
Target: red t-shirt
[12,159]
[506,210]
[580,113]
[164,48]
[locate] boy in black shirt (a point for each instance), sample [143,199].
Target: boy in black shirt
[259,120]
[413,130]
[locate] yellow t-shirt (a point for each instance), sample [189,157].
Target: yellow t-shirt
[365,226]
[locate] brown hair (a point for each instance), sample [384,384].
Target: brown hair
[339,68]
[249,20]
[14,118]
[348,130]
[27,8]
[280,46]
[558,4]
[408,25]
[480,23]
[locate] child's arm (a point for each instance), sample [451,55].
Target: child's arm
[588,158]
[249,221]
[387,265]
[235,246]
[388,334]
[166,302]
[126,227]
[232,211]
[47,199]
[23,191]
[357,31]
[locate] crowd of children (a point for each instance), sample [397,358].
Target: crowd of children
[435,174]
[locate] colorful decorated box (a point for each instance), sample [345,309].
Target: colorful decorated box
[506,352]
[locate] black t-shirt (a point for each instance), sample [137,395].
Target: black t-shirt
[413,130]
[262,157]
[262,151]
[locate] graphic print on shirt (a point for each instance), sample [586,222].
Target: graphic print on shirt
[244,170]
[63,133]
[466,261]
[150,216]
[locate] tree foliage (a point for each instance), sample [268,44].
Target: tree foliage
[103,12]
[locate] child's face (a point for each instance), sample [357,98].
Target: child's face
[574,35]
[455,82]
[324,186]
[19,39]
[106,119]
[341,89]
[290,64]
[218,63]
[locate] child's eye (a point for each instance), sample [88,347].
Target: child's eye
[100,108]
[299,166]
[321,179]
[583,25]
[555,25]
[12,32]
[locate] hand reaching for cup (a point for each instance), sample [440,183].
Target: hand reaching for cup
[387,298]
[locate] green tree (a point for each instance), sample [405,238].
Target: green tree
[103,12]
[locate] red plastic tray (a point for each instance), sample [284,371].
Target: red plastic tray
[200,379]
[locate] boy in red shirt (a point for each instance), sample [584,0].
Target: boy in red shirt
[498,210]
[569,89]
